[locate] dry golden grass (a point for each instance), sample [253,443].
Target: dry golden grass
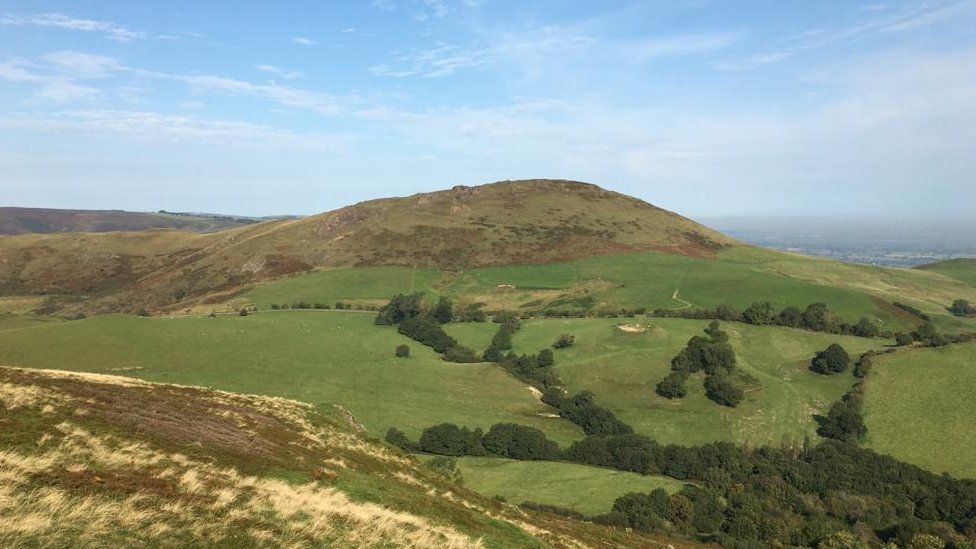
[93,460]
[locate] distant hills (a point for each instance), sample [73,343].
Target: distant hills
[15,221]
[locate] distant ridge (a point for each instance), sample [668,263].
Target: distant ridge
[14,221]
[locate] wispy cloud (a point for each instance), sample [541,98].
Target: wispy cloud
[883,21]
[280,72]
[685,44]
[422,10]
[83,64]
[302,41]
[158,126]
[62,21]
[54,88]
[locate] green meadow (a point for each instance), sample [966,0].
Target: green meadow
[961,269]
[738,277]
[323,358]
[588,490]
[622,369]
[920,407]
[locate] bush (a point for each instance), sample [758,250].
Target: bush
[461,354]
[961,307]
[719,388]
[583,411]
[443,311]
[402,351]
[450,440]
[672,386]
[242,313]
[844,421]
[545,358]
[817,317]
[865,328]
[519,442]
[399,439]
[492,354]
[759,313]
[400,308]
[446,467]
[832,360]
[563,341]
[903,339]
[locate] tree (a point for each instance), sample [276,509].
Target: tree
[817,317]
[402,351]
[843,422]
[399,439]
[790,317]
[450,440]
[443,311]
[903,339]
[461,354]
[719,388]
[961,307]
[545,358]
[865,328]
[833,360]
[493,354]
[759,313]
[243,312]
[563,341]
[519,442]
[400,308]
[925,332]
[672,386]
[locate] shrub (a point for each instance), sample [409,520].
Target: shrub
[583,411]
[961,307]
[492,354]
[719,388]
[903,339]
[519,442]
[400,308]
[243,312]
[865,328]
[398,438]
[563,341]
[545,358]
[790,317]
[759,313]
[672,386]
[461,354]
[817,317]
[446,467]
[443,311]
[450,440]
[833,360]
[402,351]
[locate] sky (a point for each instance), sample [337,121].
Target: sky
[704,107]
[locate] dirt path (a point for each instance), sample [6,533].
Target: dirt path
[674,296]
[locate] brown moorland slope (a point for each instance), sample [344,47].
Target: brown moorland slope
[504,223]
[95,460]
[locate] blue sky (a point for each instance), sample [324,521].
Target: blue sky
[703,107]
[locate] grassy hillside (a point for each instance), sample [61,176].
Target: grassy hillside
[105,461]
[588,490]
[622,369]
[44,221]
[920,405]
[961,269]
[317,357]
[736,276]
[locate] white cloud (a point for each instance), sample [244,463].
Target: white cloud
[83,64]
[62,21]
[66,92]
[280,72]
[302,41]
[686,44]
[58,89]
[349,30]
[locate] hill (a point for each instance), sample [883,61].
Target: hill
[962,269]
[513,222]
[96,460]
[44,221]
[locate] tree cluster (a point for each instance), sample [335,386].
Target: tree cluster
[844,420]
[583,410]
[714,356]
[508,440]
[424,325]
[961,307]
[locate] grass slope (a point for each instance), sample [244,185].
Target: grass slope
[317,357]
[103,461]
[961,269]
[623,368]
[920,406]
[736,276]
[589,490]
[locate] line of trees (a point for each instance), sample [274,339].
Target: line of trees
[961,307]
[423,325]
[816,317]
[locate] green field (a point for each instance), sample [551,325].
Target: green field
[589,490]
[738,276]
[623,368]
[317,357]
[920,407]
[961,269]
